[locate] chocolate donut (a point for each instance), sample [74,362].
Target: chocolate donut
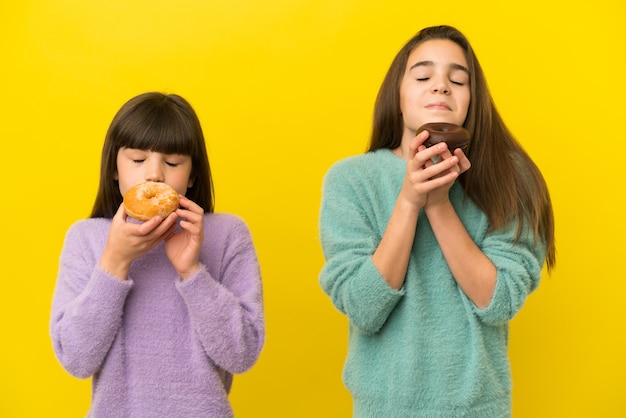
[146,200]
[454,136]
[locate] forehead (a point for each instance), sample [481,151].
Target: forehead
[437,52]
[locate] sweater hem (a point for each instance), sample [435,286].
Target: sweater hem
[370,408]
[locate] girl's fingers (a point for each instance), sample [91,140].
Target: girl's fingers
[464,162]
[169,233]
[427,157]
[156,228]
[190,206]
[190,210]
[432,169]
[458,161]
[120,214]
[417,143]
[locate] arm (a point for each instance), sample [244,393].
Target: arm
[86,310]
[349,236]
[227,311]
[472,270]
[497,276]
[92,286]
[518,264]
[365,264]
[128,241]
[391,257]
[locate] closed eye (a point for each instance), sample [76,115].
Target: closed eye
[172,164]
[138,161]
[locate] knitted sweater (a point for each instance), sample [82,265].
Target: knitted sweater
[425,350]
[157,346]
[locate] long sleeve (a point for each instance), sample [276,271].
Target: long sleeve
[227,310]
[518,263]
[87,308]
[350,231]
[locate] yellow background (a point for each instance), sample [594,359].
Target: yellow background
[284,88]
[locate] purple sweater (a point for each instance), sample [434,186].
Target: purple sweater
[157,346]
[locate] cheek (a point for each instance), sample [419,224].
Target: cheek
[466,98]
[126,178]
[183,182]
[180,188]
[405,96]
[406,103]
[462,102]
[124,184]
[411,97]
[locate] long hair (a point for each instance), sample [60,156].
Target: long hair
[158,122]
[503,182]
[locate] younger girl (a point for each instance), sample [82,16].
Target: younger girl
[428,260]
[160,313]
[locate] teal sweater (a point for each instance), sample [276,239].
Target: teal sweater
[425,350]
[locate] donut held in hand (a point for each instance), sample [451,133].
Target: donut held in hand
[146,200]
[454,136]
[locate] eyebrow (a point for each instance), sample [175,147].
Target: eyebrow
[453,66]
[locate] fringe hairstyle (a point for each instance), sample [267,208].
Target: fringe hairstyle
[157,122]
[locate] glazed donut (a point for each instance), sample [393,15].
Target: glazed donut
[454,136]
[146,200]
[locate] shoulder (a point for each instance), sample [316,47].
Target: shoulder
[356,163]
[89,227]
[225,225]
[224,219]
[369,167]
[87,235]
[226,234]
[348,163]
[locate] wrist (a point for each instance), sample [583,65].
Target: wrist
[407,204]
[441,208]
[118,271]
[187,273]
[117,268]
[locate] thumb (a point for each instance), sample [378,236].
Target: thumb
[121,213]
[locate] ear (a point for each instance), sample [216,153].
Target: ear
[190,182]
[116,176]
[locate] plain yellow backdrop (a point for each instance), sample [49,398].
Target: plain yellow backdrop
[284,88]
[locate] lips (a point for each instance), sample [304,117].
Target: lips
[438,106]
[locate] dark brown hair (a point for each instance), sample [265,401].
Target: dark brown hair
[503,181]
[158,122]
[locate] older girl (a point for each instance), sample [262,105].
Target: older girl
[430,253]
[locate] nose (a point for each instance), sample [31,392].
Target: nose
[154,172]
[440,85]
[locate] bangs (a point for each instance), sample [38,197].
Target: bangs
[164,129]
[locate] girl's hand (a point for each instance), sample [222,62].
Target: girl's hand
[183,246]
[459,164]
[128,241]
[423,176]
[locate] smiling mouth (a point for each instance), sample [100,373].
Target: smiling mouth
[438,106]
